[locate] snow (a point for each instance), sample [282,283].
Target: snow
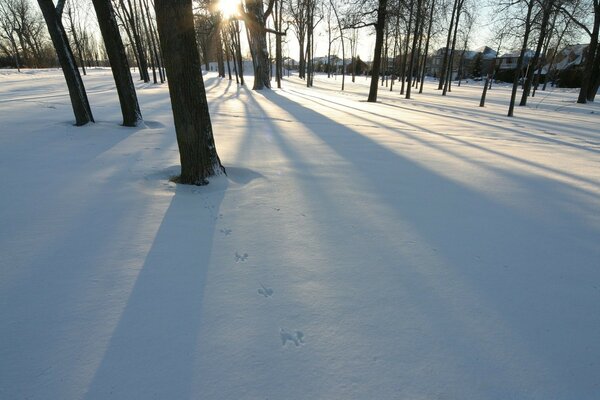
[409,249]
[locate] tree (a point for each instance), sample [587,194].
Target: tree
[414,52]
[79,101]
[254,17]
[528,24]
[197,150]
[591,73]
[547,8]
[118,62]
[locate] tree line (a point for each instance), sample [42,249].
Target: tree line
[169,38]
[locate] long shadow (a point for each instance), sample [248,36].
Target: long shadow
[449,137]
[439,208]
[151,351]
[518,132]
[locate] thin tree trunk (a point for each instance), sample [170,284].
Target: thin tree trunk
[447,49]
[546,5]
[406,39]
[513,95]
[427,44]
[448,80]
[414,47]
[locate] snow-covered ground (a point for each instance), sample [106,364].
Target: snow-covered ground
[409,249]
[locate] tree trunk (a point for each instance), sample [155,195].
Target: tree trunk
[197,150]
[118,62]
[534,62]
[448,76]
[406,39]
[79,100]
[379,33]
[257,39]
[587,83]
[513,95]
[447,49]
[427,44]
[417,13]
[337,17]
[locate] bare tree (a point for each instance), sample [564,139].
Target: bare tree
[118,62]
[197,150]
[527,26]
[52,15]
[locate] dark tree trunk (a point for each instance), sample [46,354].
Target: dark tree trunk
[137,40]
[118,62]
[448,76]
[546,5]
[301,61]
[257,39]
[587,82]
[379,33]
[427,44]
[413,52]
[238,51]
[337,17]
[79,100]
[407,40]
[197,150]
[278,45]
[513,96]
[447,49]
[219,47]
[595,83]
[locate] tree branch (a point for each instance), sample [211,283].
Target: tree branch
[572,18]
[60,6]
[269,9]
[359,26]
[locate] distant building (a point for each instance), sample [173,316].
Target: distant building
[465,63]
[509,61]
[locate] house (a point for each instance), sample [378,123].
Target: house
[566,65]
[465,63]
[569,57]
[509,61]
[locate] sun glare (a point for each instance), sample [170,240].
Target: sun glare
[229,8]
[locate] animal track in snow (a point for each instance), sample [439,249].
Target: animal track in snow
[265,291]
[226,232]
[240,258]
[297,337]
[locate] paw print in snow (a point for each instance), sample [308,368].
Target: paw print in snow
[226,232]
[297,337]
[265,291]
[240,258]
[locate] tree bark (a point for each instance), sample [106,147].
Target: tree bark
[547,6]
[414,48]
[427,44]
[118,62]
[257,39]
[513,96]
[447,49]
[79,100]
[379,33]
[197,150]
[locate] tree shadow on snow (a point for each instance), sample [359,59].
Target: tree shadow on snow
[151,353]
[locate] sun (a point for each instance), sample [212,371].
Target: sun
[229,8]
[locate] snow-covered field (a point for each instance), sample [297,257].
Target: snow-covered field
[409,249]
